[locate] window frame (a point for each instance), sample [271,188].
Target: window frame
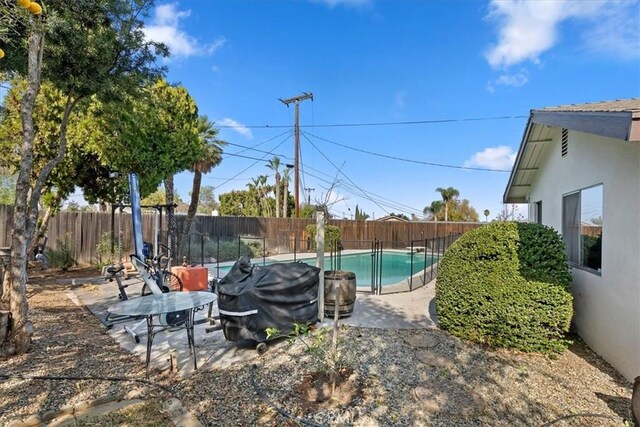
[579,264]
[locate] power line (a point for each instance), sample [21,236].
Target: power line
[228,179]
[381,200]
[260,143]
[356,191]
[395,205]
[386,156]
[253,149]
[343,174]
[413,122]
[252,164]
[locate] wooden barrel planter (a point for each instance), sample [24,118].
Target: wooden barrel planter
[345,282]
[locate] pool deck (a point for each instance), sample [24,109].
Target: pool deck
[409,310]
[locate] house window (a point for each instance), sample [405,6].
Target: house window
[538,213]
[582,227]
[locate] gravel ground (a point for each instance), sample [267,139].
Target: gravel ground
[407,378]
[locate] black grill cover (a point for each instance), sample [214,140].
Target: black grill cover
[254,298]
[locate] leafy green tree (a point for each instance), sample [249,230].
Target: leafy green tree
[73,206]
[93,48]
[159,197]
[238,203]
[307,211]
[461,210]
[77,167]
[7,189]
[207,202]
[448,194]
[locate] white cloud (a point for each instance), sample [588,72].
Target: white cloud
[349,3]
[526,29]
[165,28]
[517,79]
[615,31]
[237,126]
[501,157]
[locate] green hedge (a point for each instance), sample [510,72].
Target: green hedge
[226,250]
[541,254]
[332,236]
[507,284]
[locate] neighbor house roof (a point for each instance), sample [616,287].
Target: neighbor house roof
[619,119]
[393,218]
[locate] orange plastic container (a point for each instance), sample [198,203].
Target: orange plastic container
[193,278]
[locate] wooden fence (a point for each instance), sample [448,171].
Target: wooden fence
[85,230]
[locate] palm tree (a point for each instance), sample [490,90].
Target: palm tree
[263,189]
[211,157]
[486,215]
[274,165]
[447,194]
[254,190]
[286,174]
[433,209]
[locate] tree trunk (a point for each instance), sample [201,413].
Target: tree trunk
[171,219]
[193,208]
[42,230]
[284,198]
[20,329]
[446,211]
[277,195]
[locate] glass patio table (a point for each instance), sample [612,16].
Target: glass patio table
[173,304]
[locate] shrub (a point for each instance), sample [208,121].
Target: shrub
[254,246]
[63,257]
[103,250]
[332,236]
[506,284]
[228,250]
[541,254]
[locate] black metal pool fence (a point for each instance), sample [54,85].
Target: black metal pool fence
[215,250]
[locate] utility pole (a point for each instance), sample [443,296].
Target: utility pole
[309,190]
[296,100]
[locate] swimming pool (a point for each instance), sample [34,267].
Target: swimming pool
[395,266]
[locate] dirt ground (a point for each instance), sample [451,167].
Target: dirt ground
[417,377]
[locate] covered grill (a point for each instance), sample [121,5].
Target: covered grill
[254,298]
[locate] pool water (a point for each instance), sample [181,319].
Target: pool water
[395,266]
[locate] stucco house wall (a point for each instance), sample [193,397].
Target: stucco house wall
[607,305]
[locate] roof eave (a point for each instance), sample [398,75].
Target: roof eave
[611,124]
[523,143]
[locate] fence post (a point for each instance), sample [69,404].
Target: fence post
[202,249]
[380,264]
[411,270]
[373,291]
[424,266]
[189,248]
[320,261]
[295,248]
[264,250]
[218,257]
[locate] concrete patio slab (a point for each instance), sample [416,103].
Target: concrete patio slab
[410,310]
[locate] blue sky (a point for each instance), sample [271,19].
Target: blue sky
[372,61]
